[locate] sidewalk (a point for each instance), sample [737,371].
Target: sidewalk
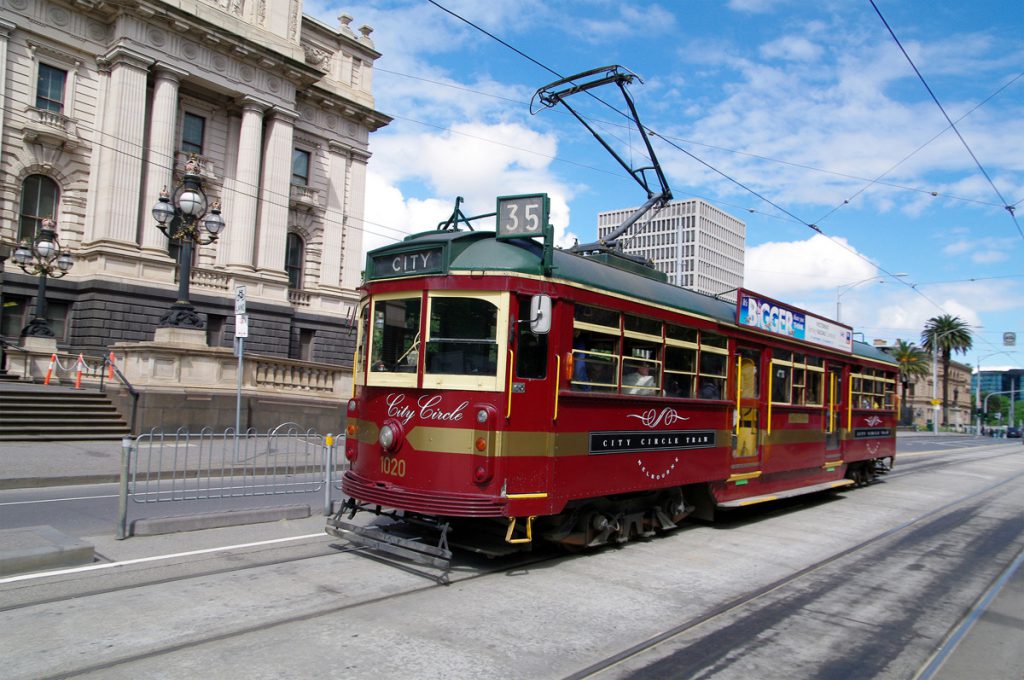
[26,465]
[38,464]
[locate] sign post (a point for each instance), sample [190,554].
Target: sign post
[241,333]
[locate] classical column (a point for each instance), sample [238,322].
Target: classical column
[240,241]
[118,178]
[352,256]
[6,28]
[334,217]
[275,190]
[160,166]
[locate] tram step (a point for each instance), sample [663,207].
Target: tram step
[787,493]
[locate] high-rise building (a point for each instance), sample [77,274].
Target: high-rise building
[103,105]
[697,245]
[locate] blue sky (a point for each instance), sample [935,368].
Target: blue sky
[811,105]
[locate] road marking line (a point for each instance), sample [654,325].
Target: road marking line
[154,558]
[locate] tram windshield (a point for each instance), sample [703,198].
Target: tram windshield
[455,343]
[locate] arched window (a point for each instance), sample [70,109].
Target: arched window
[293,260]
[40,197]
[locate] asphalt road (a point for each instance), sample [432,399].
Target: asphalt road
[869,583]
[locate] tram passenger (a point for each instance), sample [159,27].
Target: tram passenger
[579,363]
[640,380]
[709,389]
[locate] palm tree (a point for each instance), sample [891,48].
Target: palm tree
[946,334]
[914,362]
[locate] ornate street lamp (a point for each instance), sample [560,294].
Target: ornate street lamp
[179,217]
[45,257]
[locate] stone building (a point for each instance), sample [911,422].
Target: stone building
[103,104]
[919,397]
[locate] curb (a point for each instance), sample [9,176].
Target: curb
[156,526]
[40,548]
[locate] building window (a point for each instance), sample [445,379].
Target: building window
[18,312]
[50,88]
[300,167]
[14,318]
[40,196]
[192,130]
[293,261]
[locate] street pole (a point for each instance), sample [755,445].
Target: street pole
[977,402]
[935,381]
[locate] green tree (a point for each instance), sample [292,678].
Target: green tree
[914,362]
[946,334]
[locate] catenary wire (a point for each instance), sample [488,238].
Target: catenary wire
[716,170]
[1009,208]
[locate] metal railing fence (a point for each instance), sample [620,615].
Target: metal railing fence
[183,466]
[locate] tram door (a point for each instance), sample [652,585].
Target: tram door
[748,406]
[833,412]
[529,389]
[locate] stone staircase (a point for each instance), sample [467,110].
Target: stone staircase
[33,412]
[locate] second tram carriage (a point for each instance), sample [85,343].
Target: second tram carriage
[584,400]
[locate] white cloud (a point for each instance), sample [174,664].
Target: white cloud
[787,269]
[791,48]
[474,160]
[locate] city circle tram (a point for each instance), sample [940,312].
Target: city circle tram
[506,391]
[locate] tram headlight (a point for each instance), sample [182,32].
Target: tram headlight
[391,436]
[482,416]
[387,437]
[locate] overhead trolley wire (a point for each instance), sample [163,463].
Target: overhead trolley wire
[1006,205]
[915,151]
[824,171]
[654,133]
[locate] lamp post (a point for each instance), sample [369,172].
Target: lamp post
[44,257]
[180,217]
[977,393]
[847,287]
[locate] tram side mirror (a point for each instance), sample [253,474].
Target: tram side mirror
[540,314]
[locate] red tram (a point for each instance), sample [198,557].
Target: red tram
[576,396]
[584,400]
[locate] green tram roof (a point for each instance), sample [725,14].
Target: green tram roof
[475,251]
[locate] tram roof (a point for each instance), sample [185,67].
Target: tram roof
[480,251]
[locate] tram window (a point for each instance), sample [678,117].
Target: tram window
[360,351]
[781,376]
[681,333]
[799,378]
[531,349]
[680,371]
[595,358]
[463,337]
[714,362]
[641,367]
[713,340]
[641,356]
[395,342]
[813,381]
[873,389]
[639,324]
[597,316]
[712,375]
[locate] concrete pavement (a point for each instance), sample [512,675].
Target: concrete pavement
[42,548]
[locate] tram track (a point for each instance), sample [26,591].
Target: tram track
[468,570]
[465,571]
[944,460]
[738,605]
